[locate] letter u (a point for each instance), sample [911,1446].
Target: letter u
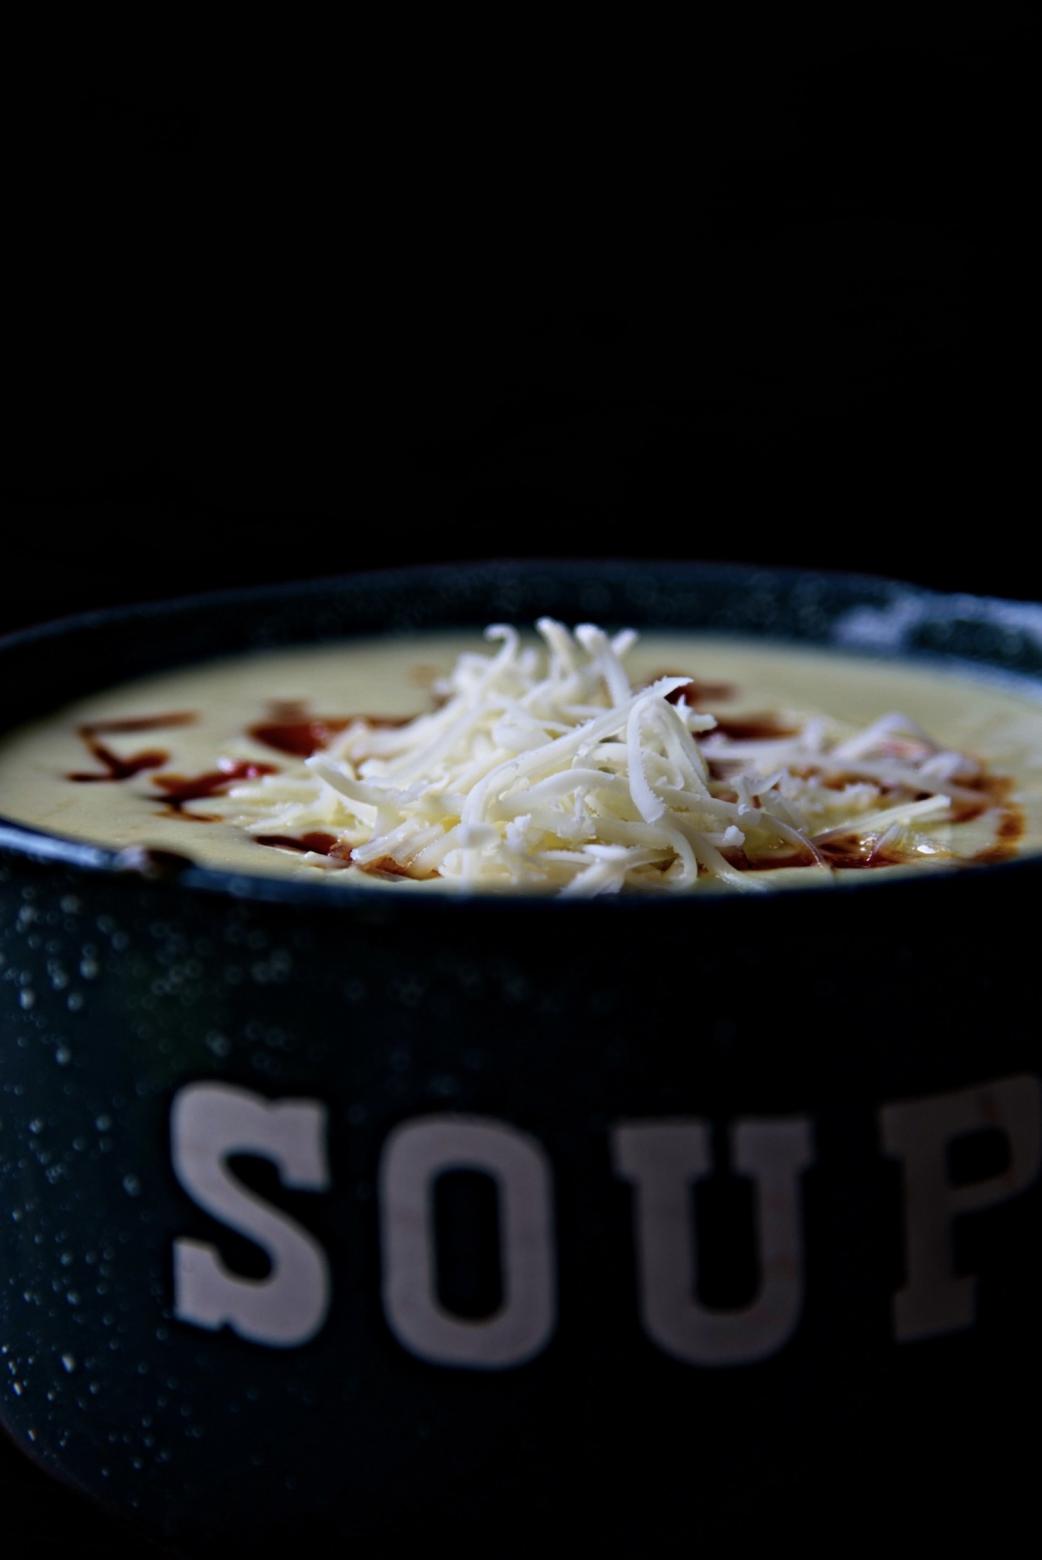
[663,1160]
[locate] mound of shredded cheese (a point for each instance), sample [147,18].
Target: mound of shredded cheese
[544,768]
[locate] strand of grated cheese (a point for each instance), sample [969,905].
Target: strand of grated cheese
[550,770]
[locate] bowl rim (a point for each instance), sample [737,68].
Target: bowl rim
[24,843]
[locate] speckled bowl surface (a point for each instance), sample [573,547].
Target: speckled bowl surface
[758,1176]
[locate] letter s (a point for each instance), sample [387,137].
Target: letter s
[209,1122]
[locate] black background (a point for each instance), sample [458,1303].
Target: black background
[640,296]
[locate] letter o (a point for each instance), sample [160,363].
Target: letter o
[416,1153]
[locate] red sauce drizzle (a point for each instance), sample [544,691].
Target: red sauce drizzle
[994,791]
[320,844]
[290,729]
[329,845]
[737,728]
[752,728]
[1010,832]
[698,694]
[387,867]
[115,768]
[850,852]
[846,853]
[180,789]
[300,738]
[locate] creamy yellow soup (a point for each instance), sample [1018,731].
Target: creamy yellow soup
[181,728]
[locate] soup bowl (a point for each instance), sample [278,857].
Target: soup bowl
[333,1214]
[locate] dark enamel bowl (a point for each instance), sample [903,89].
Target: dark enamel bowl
[255,1135]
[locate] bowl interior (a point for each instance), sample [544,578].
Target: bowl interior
[47,667]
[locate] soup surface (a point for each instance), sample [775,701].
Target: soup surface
[185,761]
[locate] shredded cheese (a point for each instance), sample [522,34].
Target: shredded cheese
[545,768]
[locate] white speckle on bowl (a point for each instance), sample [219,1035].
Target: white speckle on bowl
[891,627]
